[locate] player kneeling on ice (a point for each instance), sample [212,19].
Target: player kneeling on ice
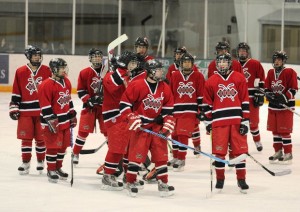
[226,107]
[58,115]
[141,103]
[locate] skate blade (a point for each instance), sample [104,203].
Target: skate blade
[26,172]
[273,161]
[288,162]
[243,191]
[132,194]
[63,178]
[111,188]
[40,172]
[52,180]
[178,169]
[166,193]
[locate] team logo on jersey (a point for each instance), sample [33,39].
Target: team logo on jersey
[95,85]
[246,73]
[227,92]
[277,87]
[32,84]
[186,89]
[152,103]
[64,99]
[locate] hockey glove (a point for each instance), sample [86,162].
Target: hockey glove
[168,126]
[73,119]
[134,121]
[244,126]
[95,100]
[159,120]
[14,111]
[258,99]
[52,122]
[208,125]
[201,116]
[271,97]
[282,99]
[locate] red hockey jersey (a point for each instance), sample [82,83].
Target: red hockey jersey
[253,70]
[285,83]
[173,68]
[212,67]
[226,101]
[188,93]
[24,91]
[55,98]
[139,98]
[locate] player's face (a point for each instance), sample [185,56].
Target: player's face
[278,62]
[223,65]
[243,53]
[158,74]
[96,60]
[141,50]
[36,58]
[132,65]
[178,56]
[62,71]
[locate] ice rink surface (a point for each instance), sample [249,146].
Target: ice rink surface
[33,192]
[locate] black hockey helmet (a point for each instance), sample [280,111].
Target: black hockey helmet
[151,66]
[281,55]
[179,50]
[55,64]
[222,45]
[245,46]
[141,42]
[187,56]
[33,50]
[124,59]
[139,59]
[95,52]
[223,70]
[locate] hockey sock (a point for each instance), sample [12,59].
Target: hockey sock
[277,142]
[182,150]
[240,169]
[40,150]
[125,163]
[79,142]
[255,134]
[132,171]
[51,156]
[26,148]
[220,170]
[287,143]
[111,162]
[196,136]
[161,171]
[60,157]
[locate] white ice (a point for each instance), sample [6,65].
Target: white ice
[192,186]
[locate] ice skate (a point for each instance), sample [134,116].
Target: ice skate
[171,163]
[243,186]
[196,153]
[286,159]
[40,166]
[165,190]
[110,183]
[132,190]
[62,175]
[52,176]
[220,184]
[179,166]
[275,157]
[75,159]
[24,168]
[259,146]
[138,183]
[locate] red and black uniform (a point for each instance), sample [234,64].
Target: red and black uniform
[280,120]
[25,98]
[253,70]
[55,100]
[148,101]
[188,94]
[212,68]
[226,102]
[89,85]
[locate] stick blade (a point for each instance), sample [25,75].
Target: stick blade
[283,172]
[237,159]
[116,42]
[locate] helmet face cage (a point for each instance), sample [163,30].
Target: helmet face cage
[33,50]
[57,63]
[151,67]
[281,55]
[95,57]
[245,46]
[141,42]
[223,63]
[223,45]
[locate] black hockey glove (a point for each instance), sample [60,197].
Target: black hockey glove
[52,122]
[201,116]
[159,120]
[271,97]
[258,99]
[244,126]
[95,100]
[282,99]
[14,111]
[208,126]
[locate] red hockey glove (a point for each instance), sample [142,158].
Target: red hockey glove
[244,126]
[14,111]
[168,126]
[134,121]
[52,122]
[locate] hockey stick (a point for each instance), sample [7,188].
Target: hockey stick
[280,173]
[72,170]
[283,105]
[114,44]
[92,151]
[232,161]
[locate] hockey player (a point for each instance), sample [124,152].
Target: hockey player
[187,87]
[253,71]
[141,46]
[114,85]
[226,106]
[222,48]
[24,107]
[90,91]
[281,87]
[58,115]
[141,103]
